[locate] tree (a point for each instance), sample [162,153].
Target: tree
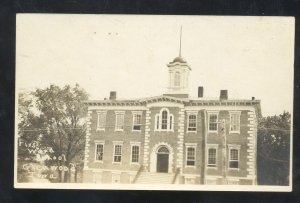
[60,126]
[26,137]
[64,114]
[273,149]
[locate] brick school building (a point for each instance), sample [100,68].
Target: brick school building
[172,138]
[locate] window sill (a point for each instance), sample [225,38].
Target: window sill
[117,163]
[100,129]
[99,162]
[119,130]
[135,164]
[186,166]
[234,132]
[194,132]
[138,131]
[234,169]
[212,167]
[164,131]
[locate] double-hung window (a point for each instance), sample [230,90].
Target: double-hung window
[119,120]
[212,155]
[101,120]
[117,152]
[234,154]
[99,149]
[137,121]
[213,122]
[190,154]
[192,123]
[135,152]
[235,121]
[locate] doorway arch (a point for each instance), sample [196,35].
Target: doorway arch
[161,158]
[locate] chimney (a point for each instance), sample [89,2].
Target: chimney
[113,95]
[223,95]
[200,91]
[253,98]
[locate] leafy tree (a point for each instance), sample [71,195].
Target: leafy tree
[63,114]
[26,137]
[273,145]
[59,126]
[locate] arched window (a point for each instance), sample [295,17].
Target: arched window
[164,120]
[177,79]
[163,150]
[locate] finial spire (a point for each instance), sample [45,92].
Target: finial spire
[180,41]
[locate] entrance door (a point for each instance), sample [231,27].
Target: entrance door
[162,160]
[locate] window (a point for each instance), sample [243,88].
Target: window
[115,178]
[190,180]
[135,152]
[119,121]
[233,182]
[233,158]
[177,79]
[97,177]
[211,181]
[213,122]
[137,121]
[118,153]
[212,157]
[101,120]
[235,122]
[171,122]
[192,121]
[164,121]
[190,156]
[157,121]
[99,152]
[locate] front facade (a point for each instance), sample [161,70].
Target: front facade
[172,138]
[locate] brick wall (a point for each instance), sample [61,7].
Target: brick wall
[109,135]
[231,139]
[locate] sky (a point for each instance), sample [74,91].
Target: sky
[248,56]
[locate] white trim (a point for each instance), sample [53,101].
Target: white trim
[119,113]
[99,170]
[135,144]
[210,108]
[159,116]
[165,104]
[104,113]
[194,146]
[209,113]
[153,157]
[216,147]
[191,175]
[96,144]
[191,144]
[238,113]
[134,113]
[117,143]
[189,113]
[117,108]
[236,147]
